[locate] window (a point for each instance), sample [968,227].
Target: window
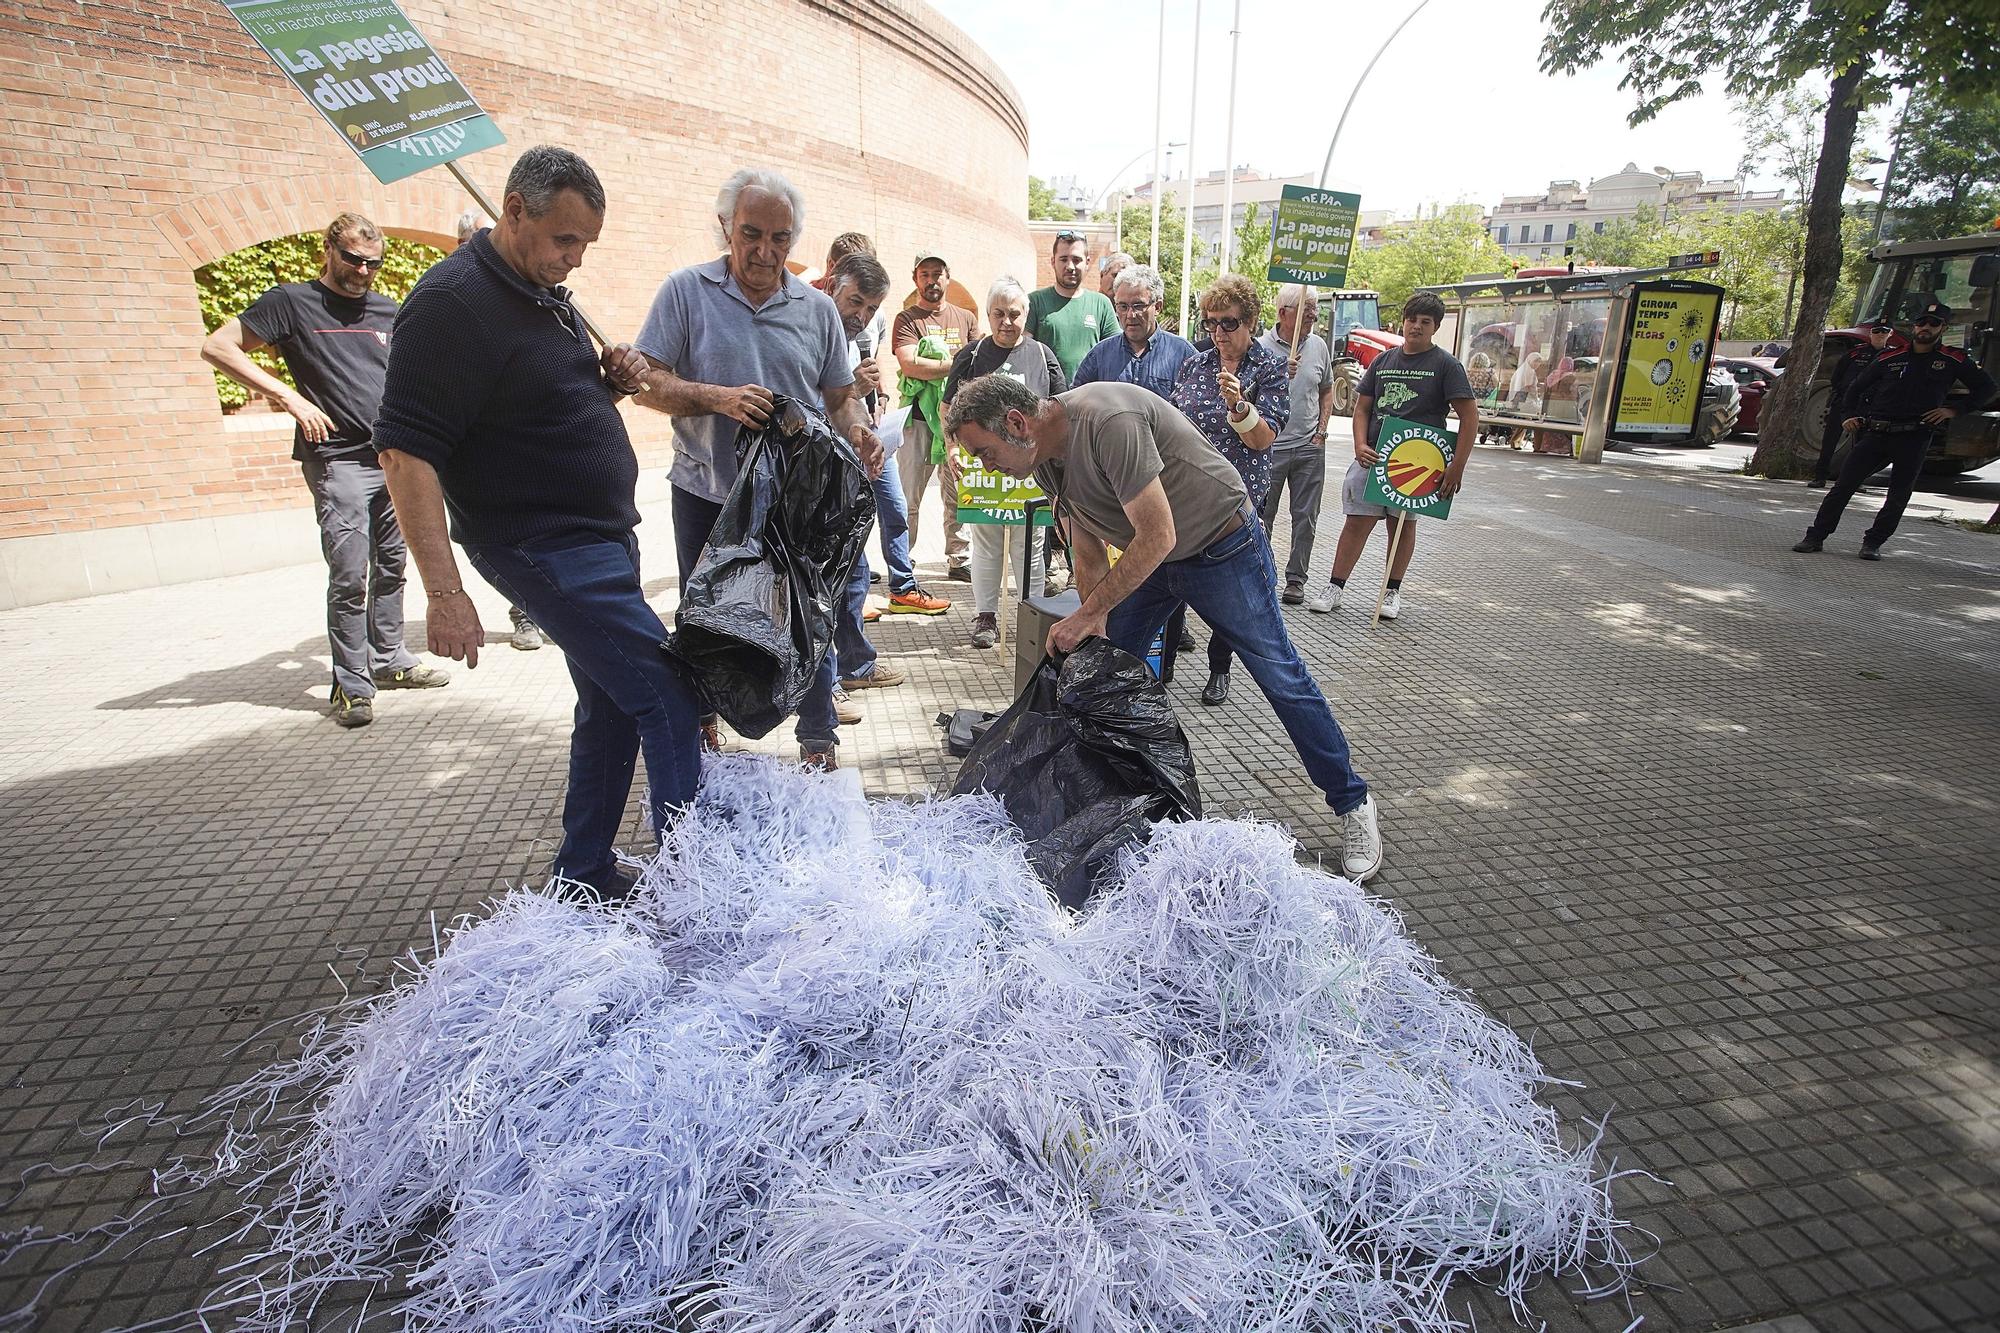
[1572,232]
[1598,228]
[1548,232]
[1503,233]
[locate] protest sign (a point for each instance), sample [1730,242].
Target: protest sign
[989,496]
[1409,468]
[374,78]
[1312,236]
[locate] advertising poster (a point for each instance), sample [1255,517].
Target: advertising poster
[1666,360]
[374,78]
[1312,236]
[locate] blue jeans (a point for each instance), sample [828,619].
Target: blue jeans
[694,519]
[892,515]
[1230,585]
[583,589]
[852,653]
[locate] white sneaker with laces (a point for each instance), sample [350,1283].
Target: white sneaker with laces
[1392,605]
[1361,843]
[1326,599]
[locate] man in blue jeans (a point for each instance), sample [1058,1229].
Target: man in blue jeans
[1128,470]
[499,412]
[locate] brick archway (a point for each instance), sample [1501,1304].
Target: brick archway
[204,229]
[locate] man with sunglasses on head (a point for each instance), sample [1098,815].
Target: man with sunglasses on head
[1894,407]
[333,333]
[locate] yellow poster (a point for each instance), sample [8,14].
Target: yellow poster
[1666,359]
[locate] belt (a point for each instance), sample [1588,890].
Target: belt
[1882,427]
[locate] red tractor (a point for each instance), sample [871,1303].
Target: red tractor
[1350,322]
[1964,273]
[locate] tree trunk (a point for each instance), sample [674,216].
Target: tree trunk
[1782,447]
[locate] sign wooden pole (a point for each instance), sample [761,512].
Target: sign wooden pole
[1006,553]
[1395,545]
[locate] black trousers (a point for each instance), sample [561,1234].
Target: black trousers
[1873,451]
[1829,445]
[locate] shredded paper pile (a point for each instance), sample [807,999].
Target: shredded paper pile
[844,1065]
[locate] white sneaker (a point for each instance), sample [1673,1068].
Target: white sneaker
[1392,605]
[1361,843]
[1326,599]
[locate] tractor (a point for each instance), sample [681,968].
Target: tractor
[1964,273]
[1350,322]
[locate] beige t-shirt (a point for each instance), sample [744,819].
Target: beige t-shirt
[1121,437]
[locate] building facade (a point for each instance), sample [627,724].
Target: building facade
[1548,225]
[1251,187]
[142,142]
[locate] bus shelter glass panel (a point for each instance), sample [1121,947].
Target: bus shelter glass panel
[1576,344]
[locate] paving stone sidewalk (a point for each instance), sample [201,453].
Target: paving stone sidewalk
[1712,823]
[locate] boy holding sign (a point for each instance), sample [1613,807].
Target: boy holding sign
[1416,383]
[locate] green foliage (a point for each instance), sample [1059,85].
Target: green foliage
[231,284]
[1135,238]
[1042,205]
[1449,245]
[1249,256]
[1947,179]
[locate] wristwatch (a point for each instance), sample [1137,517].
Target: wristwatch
[1243,408]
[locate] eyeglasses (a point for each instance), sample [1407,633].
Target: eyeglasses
[359,261]
[1227,324]
[1931,320]
[1133,307]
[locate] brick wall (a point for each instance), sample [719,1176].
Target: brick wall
[141,140]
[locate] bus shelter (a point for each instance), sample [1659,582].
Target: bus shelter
[1537,346]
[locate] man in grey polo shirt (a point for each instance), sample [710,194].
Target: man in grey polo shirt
[1298,455]
[1128,470]
[725,337]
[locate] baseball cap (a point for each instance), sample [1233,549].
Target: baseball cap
[1883,325]
[926,255]
[1937,310]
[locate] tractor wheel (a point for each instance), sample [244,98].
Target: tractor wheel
[1346,379]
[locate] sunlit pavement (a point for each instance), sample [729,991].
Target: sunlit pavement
[1713,823]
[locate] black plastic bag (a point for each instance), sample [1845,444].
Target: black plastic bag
[757,616]
[1086,758]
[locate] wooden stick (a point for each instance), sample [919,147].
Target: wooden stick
[1006,548]
[486,206]
[1395,544]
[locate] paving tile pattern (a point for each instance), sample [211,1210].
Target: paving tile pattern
[1711,823]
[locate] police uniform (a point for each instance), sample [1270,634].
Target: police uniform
[1857,360]
[1891,397]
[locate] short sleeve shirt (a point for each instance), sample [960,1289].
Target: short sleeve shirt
[954,325]
[1070,325]
[1416,388]
[337,349]
[1262,376]
[1315,374]
[704,328]
[1122,437]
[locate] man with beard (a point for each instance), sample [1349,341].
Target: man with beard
[925,452]
[1893,407]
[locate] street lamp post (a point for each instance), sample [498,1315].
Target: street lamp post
[1159,91]
[1326,167]
[1187,238]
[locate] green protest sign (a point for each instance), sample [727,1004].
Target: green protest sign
[374,78]
[1410,463]
[1312,236]
[988,496]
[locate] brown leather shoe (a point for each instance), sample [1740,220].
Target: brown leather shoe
[711,736]
[825,761]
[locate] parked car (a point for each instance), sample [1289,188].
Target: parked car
[1756,377]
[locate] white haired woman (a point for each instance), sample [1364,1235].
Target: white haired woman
[1008,350]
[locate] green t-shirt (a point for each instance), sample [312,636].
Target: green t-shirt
[1070,326]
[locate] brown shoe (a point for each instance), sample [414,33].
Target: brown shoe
[711,737]
[823,761]
[881,678]
[917,602]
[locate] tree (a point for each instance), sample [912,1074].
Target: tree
[1135,238]
[1449,245]
[1250,256]
[1863,48]
[1947,179]
[1639,241]
[1042,203]
[1782,131]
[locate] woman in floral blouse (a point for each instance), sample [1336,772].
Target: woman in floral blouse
[1236,395]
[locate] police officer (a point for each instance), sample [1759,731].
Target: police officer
[1858,359]
[1894,406]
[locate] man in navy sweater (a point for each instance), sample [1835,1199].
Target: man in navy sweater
[499,413]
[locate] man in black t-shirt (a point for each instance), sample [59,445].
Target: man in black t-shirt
[334,335]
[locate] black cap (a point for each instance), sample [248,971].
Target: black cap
[1937,310]
[1883,325]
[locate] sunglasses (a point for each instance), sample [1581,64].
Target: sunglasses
[1932,320]
[1227,324]
[359,261]
[1065,237]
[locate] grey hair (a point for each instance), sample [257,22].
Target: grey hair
[761,178]
[1297,293]
[1141,275]
[469,222]
[545,171]
[1118,260]
[1005,285]
[986,401]
[864,270]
